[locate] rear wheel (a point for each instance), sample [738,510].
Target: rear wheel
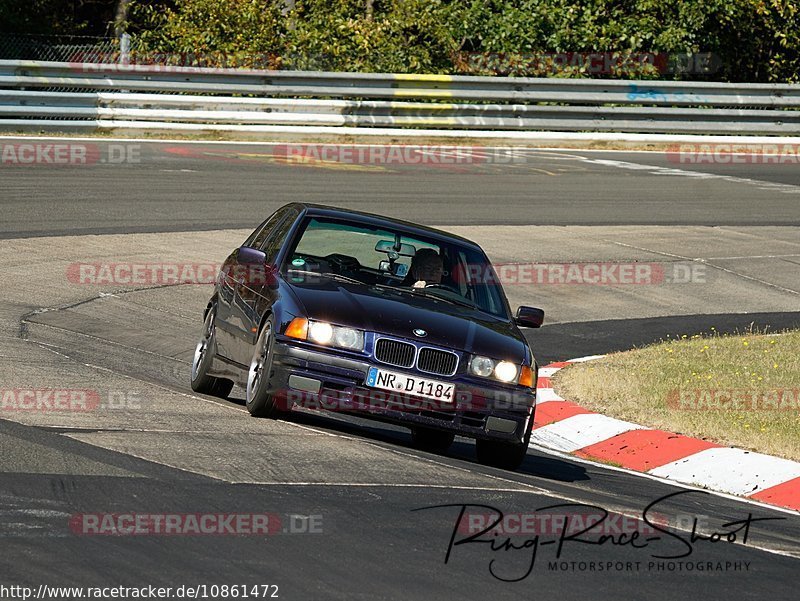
[429,439]
[260,402]
[203,357]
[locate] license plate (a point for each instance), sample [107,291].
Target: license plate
[413,385]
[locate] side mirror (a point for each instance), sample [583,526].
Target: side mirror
[530,317]
[251,256]
[252,268]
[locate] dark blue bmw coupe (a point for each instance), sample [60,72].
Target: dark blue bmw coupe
[340,310]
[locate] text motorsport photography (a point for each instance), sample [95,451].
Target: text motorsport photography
[510,544]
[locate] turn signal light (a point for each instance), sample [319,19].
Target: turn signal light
[298,328]
[526,377]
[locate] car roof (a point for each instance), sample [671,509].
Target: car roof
[317,210]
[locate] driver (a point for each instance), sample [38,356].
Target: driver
[426,268]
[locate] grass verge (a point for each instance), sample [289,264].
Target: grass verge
[739,390]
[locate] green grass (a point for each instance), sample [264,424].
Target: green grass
[739,390]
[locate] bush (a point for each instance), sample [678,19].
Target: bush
[749,40]
[340,35]
[223,33]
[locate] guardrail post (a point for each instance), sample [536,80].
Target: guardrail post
[125,49]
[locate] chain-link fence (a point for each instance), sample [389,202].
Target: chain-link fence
[85,49]
[62,48]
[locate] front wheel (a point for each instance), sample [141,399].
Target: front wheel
[260,402]
[203,357]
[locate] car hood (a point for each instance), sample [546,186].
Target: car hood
[395,313]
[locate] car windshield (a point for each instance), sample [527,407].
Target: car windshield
[432,267]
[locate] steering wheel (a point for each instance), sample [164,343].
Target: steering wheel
[445,287]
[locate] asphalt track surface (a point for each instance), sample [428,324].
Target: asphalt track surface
[180,453]
[203,186]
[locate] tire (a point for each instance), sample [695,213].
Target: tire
[260,402]
[503,455]
[429,439]
[203,357]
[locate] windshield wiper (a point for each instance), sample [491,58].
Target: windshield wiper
[334,276]
[460,302]
[427,294]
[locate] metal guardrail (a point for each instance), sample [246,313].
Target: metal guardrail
[157,97]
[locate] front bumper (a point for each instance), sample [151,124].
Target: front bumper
[334,381]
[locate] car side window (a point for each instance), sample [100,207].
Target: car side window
[273,243]
[262,232]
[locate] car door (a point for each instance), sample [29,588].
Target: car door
[255,291]
[228,316]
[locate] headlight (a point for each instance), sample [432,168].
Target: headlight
[504,371]
[321,332]
[481,366]
[348,338]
